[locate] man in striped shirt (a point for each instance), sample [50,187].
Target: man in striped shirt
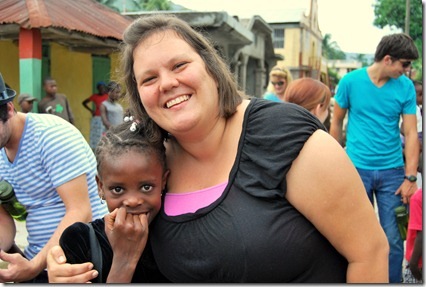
[52,169]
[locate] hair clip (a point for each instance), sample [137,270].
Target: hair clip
[133,126]
[128,118]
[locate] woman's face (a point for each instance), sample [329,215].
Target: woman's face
[132,180]
[279,84]
[174,86]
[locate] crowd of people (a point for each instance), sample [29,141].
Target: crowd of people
[204,184]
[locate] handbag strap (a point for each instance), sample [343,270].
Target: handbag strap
[95,249]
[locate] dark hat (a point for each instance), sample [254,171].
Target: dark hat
[26,97]
[6,94]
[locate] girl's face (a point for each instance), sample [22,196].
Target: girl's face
[132,180]
[174,85]
[115,94]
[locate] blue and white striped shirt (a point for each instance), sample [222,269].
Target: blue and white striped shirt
[51,152]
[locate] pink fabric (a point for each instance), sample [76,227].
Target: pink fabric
[415,222]
[190,202]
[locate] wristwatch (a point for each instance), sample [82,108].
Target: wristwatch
[411,178]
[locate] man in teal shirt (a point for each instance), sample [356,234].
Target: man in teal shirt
[376,97]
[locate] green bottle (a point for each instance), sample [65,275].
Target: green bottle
[10,203]
[402,220]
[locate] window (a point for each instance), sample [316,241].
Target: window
[278,38]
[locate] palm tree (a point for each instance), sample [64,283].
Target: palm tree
[331,50]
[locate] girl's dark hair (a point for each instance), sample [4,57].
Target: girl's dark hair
[120,139]
[398,46]
[229,95]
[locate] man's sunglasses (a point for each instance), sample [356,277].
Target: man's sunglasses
[279,84]
[405,64]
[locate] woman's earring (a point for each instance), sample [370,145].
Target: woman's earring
[102,200]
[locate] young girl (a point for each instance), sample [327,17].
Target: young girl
[131,177]
[111,109]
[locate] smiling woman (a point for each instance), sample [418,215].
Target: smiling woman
[274,210]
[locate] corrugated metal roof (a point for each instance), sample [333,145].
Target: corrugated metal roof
[87,16]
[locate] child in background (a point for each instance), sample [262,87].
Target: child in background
[111,109]
[414,246]
[131,177]
[96,126]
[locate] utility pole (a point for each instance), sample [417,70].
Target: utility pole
[407,26]
[407,17]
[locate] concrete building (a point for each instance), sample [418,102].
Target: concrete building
[297,37]
[342,67]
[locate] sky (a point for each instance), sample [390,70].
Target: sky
[350,22]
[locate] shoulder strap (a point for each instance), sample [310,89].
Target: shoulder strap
[95,250]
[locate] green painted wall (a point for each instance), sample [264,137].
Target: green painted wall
[30,71]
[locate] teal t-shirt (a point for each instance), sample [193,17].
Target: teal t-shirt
[372,139]
[272,97]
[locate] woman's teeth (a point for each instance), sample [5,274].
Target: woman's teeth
[177,101]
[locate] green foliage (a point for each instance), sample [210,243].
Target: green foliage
[391,13]
[364,61]
[137,5]
[333,76]
[157,5]
[331,50]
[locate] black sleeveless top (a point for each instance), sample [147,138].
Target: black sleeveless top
[252,233]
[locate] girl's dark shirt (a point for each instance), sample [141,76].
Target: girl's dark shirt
[252,233]
[76,244]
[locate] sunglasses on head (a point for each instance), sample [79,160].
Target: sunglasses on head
[279,84]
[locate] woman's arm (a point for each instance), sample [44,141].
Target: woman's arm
[104,116]
[325,187]
[85,104]
[7,230]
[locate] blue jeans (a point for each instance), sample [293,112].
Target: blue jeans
[383,185]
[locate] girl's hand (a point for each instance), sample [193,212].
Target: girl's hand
[127,234]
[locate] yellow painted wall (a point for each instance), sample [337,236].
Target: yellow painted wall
[73,74]
[9,65]
[291,47]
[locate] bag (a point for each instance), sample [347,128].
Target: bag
[95,249]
